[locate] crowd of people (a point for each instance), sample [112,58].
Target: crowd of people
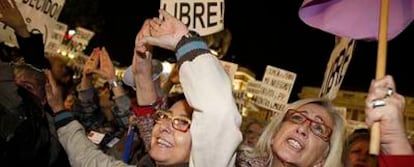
[47,119]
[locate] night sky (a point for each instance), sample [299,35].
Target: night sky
[265,34]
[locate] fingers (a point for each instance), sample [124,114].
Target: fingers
[105,60]
[154,28]
[165,15]
[382,100]
[101,73]
[380,89]
[148,55]
[144,31]
[3,4]
[134,64]
[157,20]
[50,86]
[14,3]
[7,5]
[92,62]
[50,78]
[104,55]
[150,41]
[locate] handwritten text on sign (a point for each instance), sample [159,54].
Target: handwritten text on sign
[281,81]
[260,98]
[204,16]
[274,90]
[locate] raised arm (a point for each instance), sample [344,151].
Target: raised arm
[386,106]
[107,71]
[144,86]
[216,120]
[72,135]
[393,138]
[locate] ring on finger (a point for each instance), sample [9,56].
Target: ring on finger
[377,103]
[390,92]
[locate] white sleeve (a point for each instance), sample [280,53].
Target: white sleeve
[81,151]
[215,127]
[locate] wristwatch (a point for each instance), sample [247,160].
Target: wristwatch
[114,84]
[189,36]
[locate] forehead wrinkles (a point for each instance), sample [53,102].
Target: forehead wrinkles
[317,113]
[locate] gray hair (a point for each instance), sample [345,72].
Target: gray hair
[264,149]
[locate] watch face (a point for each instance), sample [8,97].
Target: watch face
[191,34]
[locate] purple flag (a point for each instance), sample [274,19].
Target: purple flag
[356,19]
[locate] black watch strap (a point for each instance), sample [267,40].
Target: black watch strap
[190,36]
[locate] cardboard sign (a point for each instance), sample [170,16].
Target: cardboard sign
[273,92]
[204,16]
[336,68]
[56,39]
[278,85]
[39,16]
[95,137]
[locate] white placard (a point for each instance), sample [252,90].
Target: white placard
[82,36]
[39,16]
[204,16]
[254,87]
[266,96]
[337,67]
[281,82]
[95,137]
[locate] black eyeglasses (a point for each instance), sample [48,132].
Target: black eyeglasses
[318,128]
[179,123]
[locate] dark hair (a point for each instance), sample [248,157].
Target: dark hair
[357,135]
[8,53]
[171,100]
[252,122]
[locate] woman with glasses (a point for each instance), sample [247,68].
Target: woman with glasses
[386,106]
[210,134]
[201,132]
[308,133]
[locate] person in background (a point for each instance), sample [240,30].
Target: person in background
[252,132]
[386,106]
[28,135]
[356,150]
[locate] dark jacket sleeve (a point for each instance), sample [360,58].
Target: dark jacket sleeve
[32,49]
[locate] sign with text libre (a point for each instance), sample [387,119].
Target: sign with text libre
[204,16]
[39,15]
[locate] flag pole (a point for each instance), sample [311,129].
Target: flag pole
[380,71]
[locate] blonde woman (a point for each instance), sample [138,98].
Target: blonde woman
[308,133]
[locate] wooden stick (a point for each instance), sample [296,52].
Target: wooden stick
[380,72]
